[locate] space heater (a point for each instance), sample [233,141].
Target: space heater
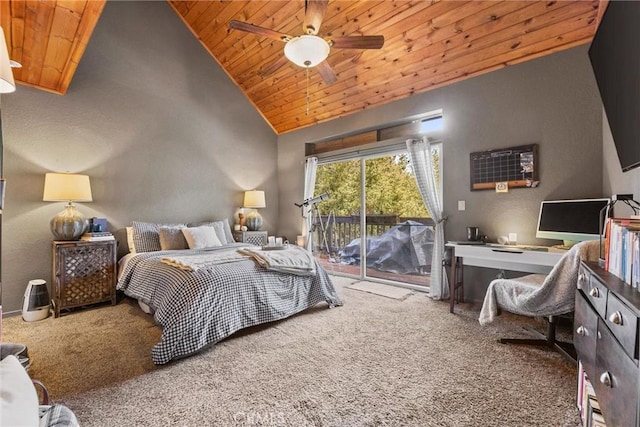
[35,304]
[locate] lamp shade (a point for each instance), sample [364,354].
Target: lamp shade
[7,84]
[306,51]
[66,187]
[254,199]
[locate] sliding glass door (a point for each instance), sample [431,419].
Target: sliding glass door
[374,223]
[397,227]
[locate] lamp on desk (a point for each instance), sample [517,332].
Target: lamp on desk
[69,224]
[254,199]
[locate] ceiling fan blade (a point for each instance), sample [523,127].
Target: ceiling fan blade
[273,67]
[250,28]
[326,72]
[357,42]
[313,14]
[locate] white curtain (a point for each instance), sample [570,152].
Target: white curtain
[310,167]
[424,171]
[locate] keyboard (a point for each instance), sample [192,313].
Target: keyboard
[522,247]
[467,242]
[534,248]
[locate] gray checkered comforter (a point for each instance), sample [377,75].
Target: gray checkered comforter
[199,308]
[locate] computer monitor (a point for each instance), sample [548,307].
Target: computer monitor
[571,221]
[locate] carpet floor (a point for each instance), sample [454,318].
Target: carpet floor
[375,361]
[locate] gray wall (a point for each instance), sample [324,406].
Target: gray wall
[616,181]
[552,101]
[152,119]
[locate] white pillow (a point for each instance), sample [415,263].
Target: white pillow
[223,230]
[18,397]
[201,237]
[132,246]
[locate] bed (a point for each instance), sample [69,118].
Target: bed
[200,307]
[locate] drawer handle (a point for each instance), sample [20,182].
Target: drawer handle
[594,292]
[605,379]
[581,279]
[616,318]
[581,331]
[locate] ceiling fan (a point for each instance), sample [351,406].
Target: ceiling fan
[310,50]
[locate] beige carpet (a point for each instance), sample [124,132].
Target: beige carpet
[372,362]
[381,289]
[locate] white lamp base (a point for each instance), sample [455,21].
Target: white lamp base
[69,224]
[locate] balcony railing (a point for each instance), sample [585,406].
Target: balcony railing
[341,230]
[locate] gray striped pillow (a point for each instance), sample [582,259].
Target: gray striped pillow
[146,235]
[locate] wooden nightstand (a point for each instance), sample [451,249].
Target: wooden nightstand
[83,273]
[258,238]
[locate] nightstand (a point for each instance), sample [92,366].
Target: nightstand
[258,238]
[83,273]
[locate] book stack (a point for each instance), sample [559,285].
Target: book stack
[622,250]
[97,236]
[587,402]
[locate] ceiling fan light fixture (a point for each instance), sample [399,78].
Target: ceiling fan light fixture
[307,51]
[7,84]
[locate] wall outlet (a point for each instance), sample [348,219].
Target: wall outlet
[461,205]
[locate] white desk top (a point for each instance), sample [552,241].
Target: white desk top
[531,259]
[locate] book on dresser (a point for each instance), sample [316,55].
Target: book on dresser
[97,236]
[622,249]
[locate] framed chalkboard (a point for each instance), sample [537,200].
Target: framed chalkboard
[505,168]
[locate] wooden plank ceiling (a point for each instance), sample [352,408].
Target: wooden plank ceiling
[48,38]
[428,44]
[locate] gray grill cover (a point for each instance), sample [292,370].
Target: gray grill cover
[404,249]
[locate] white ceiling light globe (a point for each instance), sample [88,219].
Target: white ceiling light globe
[306,51]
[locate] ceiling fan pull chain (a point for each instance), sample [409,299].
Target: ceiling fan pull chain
[307,91]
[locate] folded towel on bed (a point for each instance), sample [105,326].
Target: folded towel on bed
[291,259]
[196,261]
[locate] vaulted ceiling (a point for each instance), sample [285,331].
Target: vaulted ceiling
[428,44]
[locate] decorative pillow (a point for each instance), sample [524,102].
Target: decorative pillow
[18,397]
[227,230]
[172,238]
[223,230]
[201,237]
[146,235]
[132,246]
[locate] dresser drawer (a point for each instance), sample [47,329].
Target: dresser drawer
[623,323]
[585,328]
[597,293]
[616,380]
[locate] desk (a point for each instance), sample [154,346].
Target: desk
[514,258]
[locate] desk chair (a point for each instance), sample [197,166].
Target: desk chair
[539,295]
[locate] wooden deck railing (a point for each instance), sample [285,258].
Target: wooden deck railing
[341,230]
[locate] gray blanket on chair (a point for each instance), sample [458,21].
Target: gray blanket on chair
[539,294]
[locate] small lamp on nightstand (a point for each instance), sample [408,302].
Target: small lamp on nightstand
[254,199]
[69,224]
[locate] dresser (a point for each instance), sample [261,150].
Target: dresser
[258,238]
[83,273]
[605,333]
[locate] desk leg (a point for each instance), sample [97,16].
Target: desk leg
[459,284]
[452,280]
[455,281]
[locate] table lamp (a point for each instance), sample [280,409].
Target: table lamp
[69,224]
[254,199]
